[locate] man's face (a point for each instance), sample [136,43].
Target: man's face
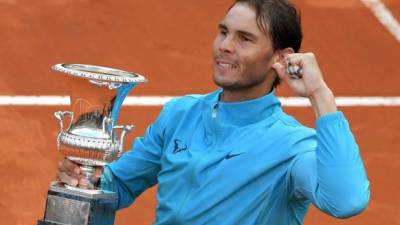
[242,52]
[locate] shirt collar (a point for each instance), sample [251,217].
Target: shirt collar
[245,112]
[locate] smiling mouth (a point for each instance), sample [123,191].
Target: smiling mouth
[225,65]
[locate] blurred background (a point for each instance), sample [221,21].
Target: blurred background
[170,43]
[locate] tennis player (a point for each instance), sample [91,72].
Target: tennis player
[233,156]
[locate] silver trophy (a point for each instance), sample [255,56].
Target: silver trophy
[91,140]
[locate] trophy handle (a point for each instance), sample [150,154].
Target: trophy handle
[125,130]
[60,117]
[107,125]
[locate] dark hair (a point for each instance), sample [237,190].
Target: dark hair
[280,20]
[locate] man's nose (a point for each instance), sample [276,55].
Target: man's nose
[226,45]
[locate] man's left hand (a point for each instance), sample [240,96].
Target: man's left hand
[303,76]
[311,80]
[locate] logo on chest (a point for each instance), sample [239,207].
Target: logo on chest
[179,146]
[232,155]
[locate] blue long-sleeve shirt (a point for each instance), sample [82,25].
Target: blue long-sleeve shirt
[241,163]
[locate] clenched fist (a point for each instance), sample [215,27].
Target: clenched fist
[302,74]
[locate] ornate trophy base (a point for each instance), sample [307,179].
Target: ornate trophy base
[70,207]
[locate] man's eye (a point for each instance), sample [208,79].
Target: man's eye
[223,32]
[244,38]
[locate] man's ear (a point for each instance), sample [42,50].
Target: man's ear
[279,64]
[284,53]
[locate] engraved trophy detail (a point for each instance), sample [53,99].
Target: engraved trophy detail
[91,140]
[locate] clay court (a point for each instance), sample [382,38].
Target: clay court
[170,43]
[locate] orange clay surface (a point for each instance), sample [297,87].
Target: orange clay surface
[170,42]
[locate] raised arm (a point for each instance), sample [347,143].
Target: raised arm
[333,176]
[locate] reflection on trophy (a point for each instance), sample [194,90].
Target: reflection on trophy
[91,140]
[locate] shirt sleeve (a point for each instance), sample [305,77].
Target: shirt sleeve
[137,168]
[332,177]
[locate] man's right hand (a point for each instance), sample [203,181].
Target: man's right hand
[70,173]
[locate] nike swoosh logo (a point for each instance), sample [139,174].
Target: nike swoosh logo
[230,156]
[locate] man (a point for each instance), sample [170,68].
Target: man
[233,156]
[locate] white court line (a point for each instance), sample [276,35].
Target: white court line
[161,100]
[384,16]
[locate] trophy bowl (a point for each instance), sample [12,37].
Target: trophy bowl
[90,139]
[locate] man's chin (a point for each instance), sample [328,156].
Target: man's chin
[224,84]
